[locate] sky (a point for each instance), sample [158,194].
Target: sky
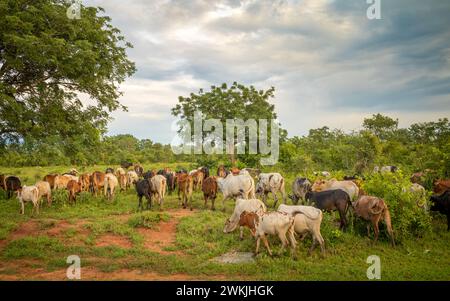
[330,65]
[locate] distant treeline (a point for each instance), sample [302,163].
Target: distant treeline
[380,142]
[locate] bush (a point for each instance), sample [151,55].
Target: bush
[408,219]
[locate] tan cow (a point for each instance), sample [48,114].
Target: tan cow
[110,185]
[348,186]
[44,190]
[74,188]
[158,188]
[28,194]
[85,181]
[62,181]
[185,186]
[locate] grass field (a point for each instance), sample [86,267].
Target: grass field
[114,241]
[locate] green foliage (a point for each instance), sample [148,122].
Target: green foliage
[147,219]
[408,219]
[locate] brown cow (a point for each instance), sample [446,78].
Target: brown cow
[440,186]
[221,171]
[74,188]
[185,185]
[209,189]
[197,176]
[97,182]
[235,171]
[51,179]
[374,209]
[123,182]
[3,182]
[85,181]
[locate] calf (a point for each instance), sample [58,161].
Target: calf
[270,223]
[271,183]
[12,184]
[331,200]
[250,205]
[209,189]
[308,221]
[441,204]
[374,209]
[28,194]
[74,188]
[143,189]
[185,186]
[44,190]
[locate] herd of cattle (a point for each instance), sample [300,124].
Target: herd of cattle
[249,211]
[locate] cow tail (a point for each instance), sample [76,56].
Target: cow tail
[251,191]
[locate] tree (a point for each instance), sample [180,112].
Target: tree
[223,102]
[382,126]
[48,60]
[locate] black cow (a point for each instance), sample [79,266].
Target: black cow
[12,184]
[330,200]
[148,174]
[441,203]
[126,165]
[143,189]
[205,171]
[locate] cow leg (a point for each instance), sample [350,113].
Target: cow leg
[241,234]
[149,201]
[22,206]
[212,204]
[266,244]
[223,203]
[206,199]
[368,230]
[275,198]
[376,229]
[258,241]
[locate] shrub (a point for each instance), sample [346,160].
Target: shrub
[408,219]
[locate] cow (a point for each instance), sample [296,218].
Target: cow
[385,169]
[300,187]
[270,223]
[123,182]
[125,165]
[72,172]
[417,177]
[44,190]
[330,200]
[12,184]
[273,183]
[197,176]
[440,186]
[233,186]
[132,178]
[373,210]
[209,188]
[85,181]
[250,205]
[51,180]
[148,174]
[158,188]
[322,173]
[253,172]
[186,187]
[109,170]
[62,180]
[235,171]
[348,186]
[308,221]
[143,189]
[139,169]
[110,185]
[222,172]
[441,204]
[120,171]
[97,182]
[74,188]
[28,194]
[205,171]
[418,192]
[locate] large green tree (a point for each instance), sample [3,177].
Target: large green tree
[48,61]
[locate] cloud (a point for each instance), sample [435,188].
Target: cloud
[329,63]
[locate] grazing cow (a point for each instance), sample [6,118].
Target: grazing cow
[44,190]
[299,189]
[51,179]
[125,165]
[132,178]
[222,172]
[186,187]
[322,173]
[271,182]
[441,203]
[85,181]
[385,169]
[110,186]
[143,189]
[330,200]
[12,184]
[250,205]
[97,182]
[123,183]
[158,188]
[139,169]
[440,186]
[272,223]
[235,171]
[348,186]
[209,189]
[74,188]
[62,181]
[308,221]
[28,194]
[109,170]
[233,186]
[374,209]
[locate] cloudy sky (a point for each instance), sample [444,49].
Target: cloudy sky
[329,63]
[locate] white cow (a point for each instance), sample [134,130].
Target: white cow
[158,187]
[44,190]
[132,178]
[250,205]
[308,221]
[233,186]
[28,194]
[110,186]
[271,182]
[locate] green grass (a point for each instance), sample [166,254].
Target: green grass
[200,238]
